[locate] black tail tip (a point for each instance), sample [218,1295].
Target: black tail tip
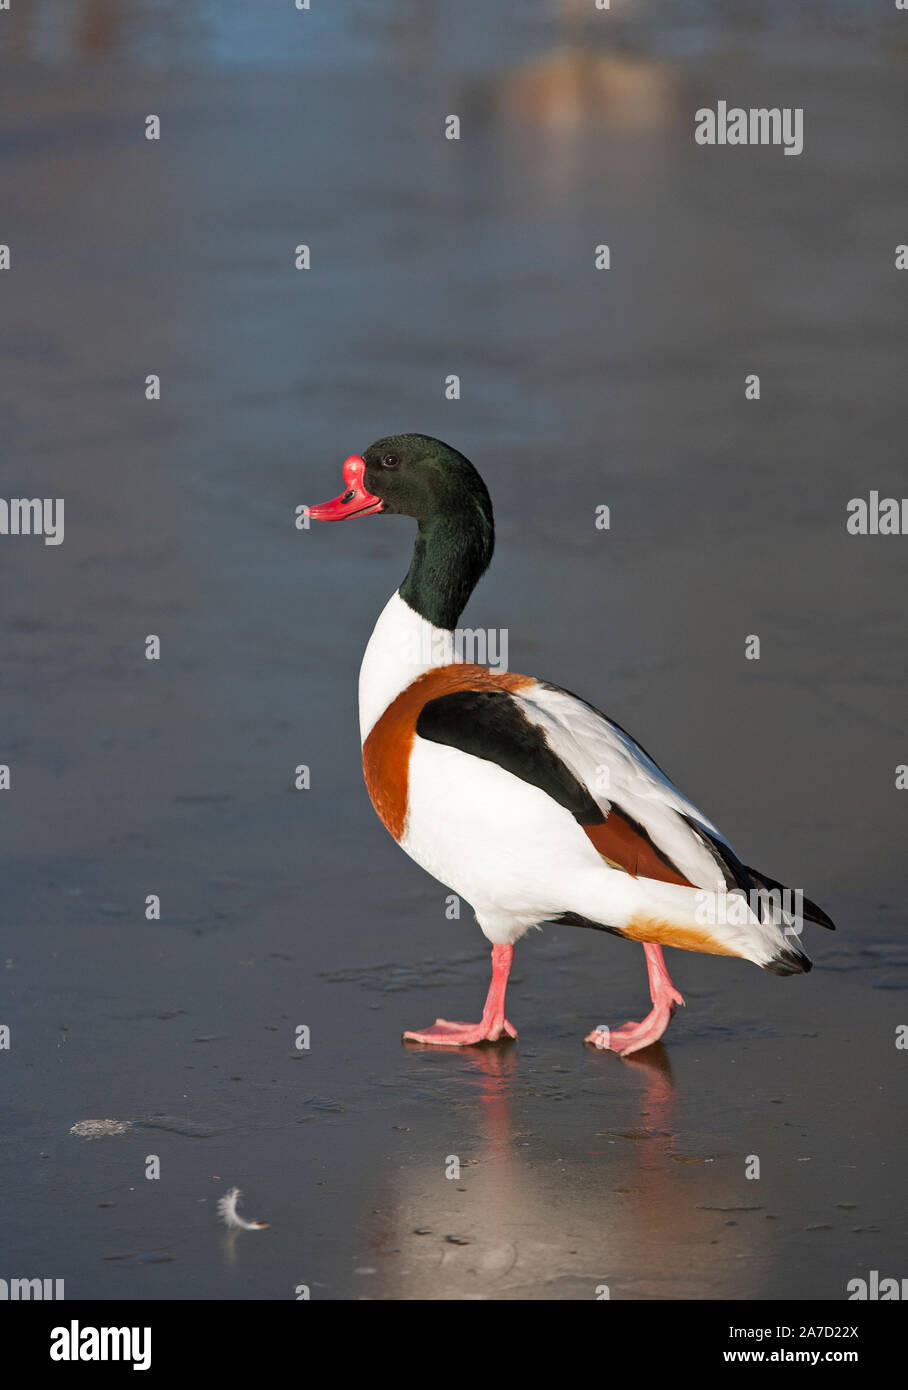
[789,961]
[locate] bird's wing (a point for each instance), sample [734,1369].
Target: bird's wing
[622,776]
[632,813]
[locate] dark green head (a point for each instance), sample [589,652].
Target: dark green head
[416,475]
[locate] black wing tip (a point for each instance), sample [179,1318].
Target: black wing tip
[789,961]
[810,911]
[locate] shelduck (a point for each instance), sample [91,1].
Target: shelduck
[522,798]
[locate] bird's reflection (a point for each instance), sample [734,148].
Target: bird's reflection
[493,1206]
[655,1063]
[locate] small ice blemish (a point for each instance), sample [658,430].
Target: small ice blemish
[95,1129]
[227,1211]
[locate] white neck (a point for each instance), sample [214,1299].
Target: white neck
[402,647]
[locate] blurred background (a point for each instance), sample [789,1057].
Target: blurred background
[578,388]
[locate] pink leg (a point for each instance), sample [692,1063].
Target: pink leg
[493,1022]
[634,1036]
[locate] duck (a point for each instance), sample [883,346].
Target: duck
[520,797]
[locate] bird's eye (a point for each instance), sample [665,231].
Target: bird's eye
[390,461]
